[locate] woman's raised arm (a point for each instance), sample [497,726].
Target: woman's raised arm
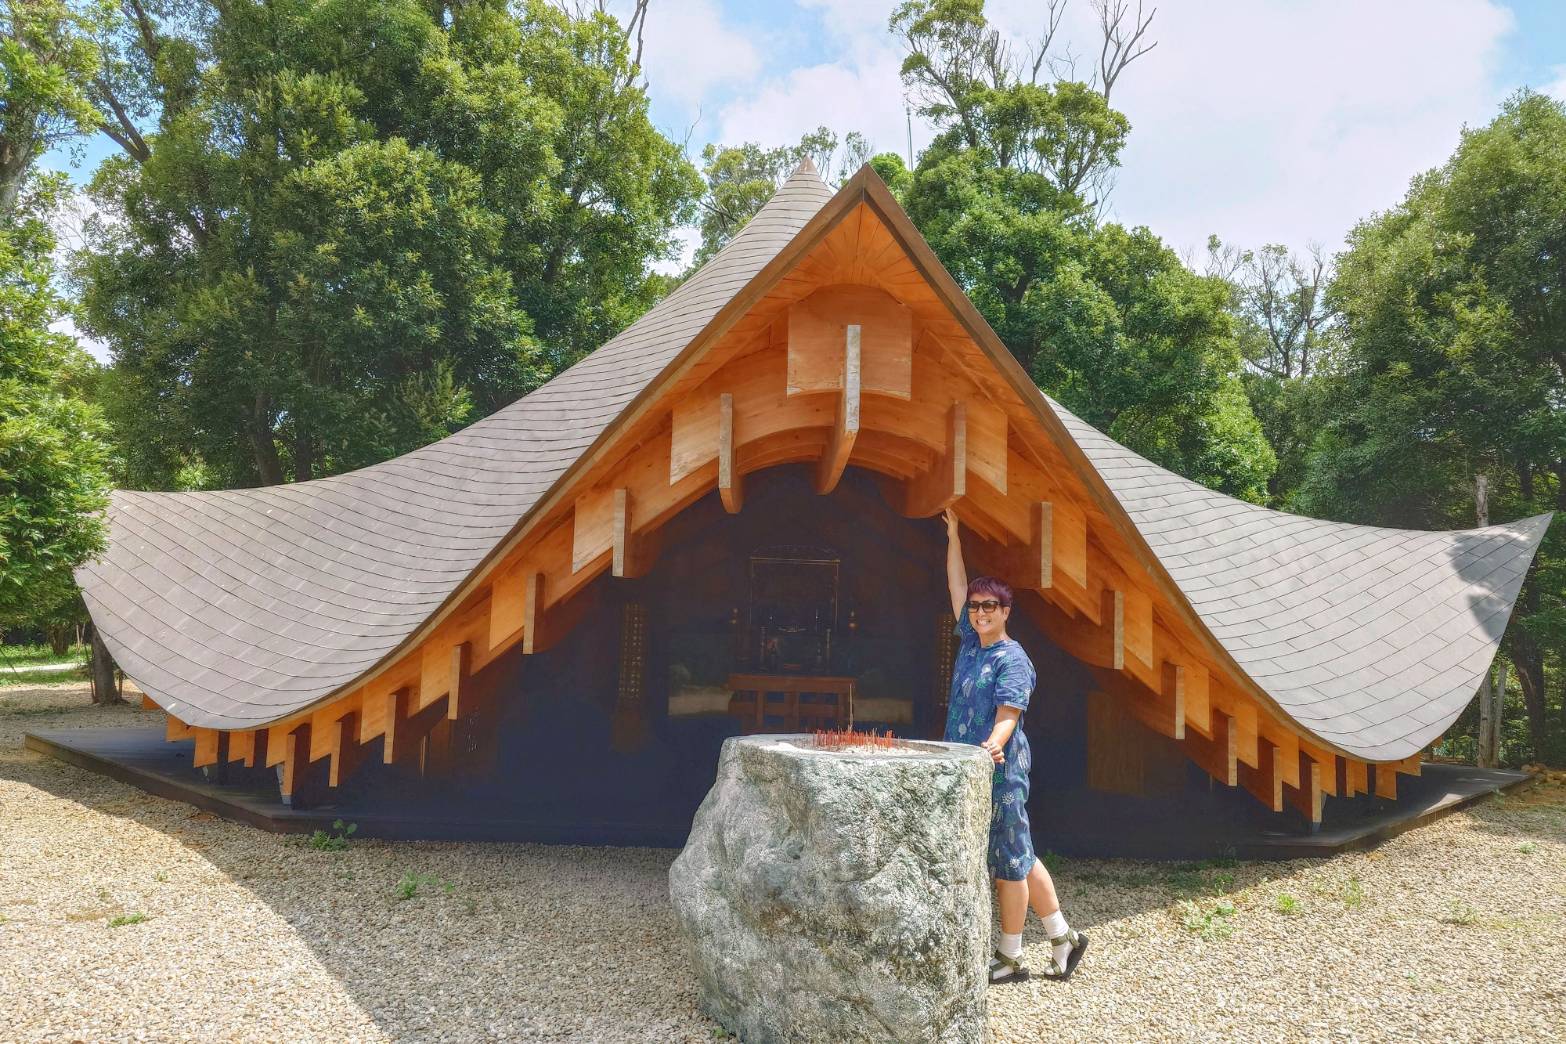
[956,572]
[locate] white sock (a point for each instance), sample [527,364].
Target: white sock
[1011,945]
[1055,927]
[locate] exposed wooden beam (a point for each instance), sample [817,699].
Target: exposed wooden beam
[1068,542]
[242,746]
[206,748]
[1197,706]
[1138,625]
[174,729]
[1385,780]
[461,660]
[1355,778]
[729,488]
[507,604]
[633,553]
[1307,798]
[532,610]
[405,738]
[346,753]
[148,703]
[845,427]
[1114,617]
[937,489]
[397,703]
[815,330]
[1264,781]
[1174,692]
[295,758]
[1217,753]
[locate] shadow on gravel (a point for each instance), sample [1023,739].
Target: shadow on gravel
[441,940]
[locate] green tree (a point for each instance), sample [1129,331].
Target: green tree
[741,178]
[339,230]
[53,458]
[47,60]
[1446,403]
[1287,330]
[1104,318]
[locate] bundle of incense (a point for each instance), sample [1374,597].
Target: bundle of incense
[838,739]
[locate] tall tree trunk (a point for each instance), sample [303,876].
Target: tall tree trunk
[104,690]
[268,466]
[304,457]
[1528,658]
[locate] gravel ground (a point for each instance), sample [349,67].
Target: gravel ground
[1455,931]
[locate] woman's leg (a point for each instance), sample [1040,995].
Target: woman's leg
[1012,897]
[1041,891]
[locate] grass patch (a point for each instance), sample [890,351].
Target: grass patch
[1208,920]
[336,841]
[1200,879]
[124,919]
[33,679]
[1353,894]
[39,652]
[1528,847]
[1288,906]
[1460,914]
[411,882]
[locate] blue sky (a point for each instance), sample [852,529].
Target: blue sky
[1257,120]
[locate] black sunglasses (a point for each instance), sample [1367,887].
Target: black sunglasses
[989,605]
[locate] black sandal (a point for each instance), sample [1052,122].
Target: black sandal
[1079,944]
[1016,972]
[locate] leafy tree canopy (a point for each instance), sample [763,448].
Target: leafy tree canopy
[1106,319]
[1446,402]
[741,178]
[339,230]
[53,457]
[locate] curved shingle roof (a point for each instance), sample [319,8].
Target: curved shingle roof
[236,609]
[1373,639]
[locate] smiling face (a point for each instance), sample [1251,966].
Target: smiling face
[988,617]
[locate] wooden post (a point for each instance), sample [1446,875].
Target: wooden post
[729,489]
[1486,725]
[845,428]
[946,481]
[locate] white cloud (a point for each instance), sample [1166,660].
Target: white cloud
[861,94]
[690,53]
[1259,120]
[1271,122]
[1557,87]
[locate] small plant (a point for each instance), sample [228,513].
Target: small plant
[411,882]
[161,877]
[1288,906]
[1528,847]
[1459,913]
[124,919]
[1353,894]
[334,842]
[1212,924]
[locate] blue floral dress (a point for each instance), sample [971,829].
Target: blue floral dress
[982,681]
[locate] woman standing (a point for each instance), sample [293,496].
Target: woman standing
[991,682]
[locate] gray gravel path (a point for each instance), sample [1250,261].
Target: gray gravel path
[1453,931]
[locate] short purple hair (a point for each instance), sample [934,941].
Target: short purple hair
[993,586]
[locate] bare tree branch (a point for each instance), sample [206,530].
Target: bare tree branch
[1121,45]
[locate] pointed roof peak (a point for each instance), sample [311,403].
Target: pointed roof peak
[806,171]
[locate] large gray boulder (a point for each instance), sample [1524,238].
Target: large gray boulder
[840,896]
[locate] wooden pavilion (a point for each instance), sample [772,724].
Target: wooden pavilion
[718,523]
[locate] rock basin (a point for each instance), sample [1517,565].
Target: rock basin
[840,895]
